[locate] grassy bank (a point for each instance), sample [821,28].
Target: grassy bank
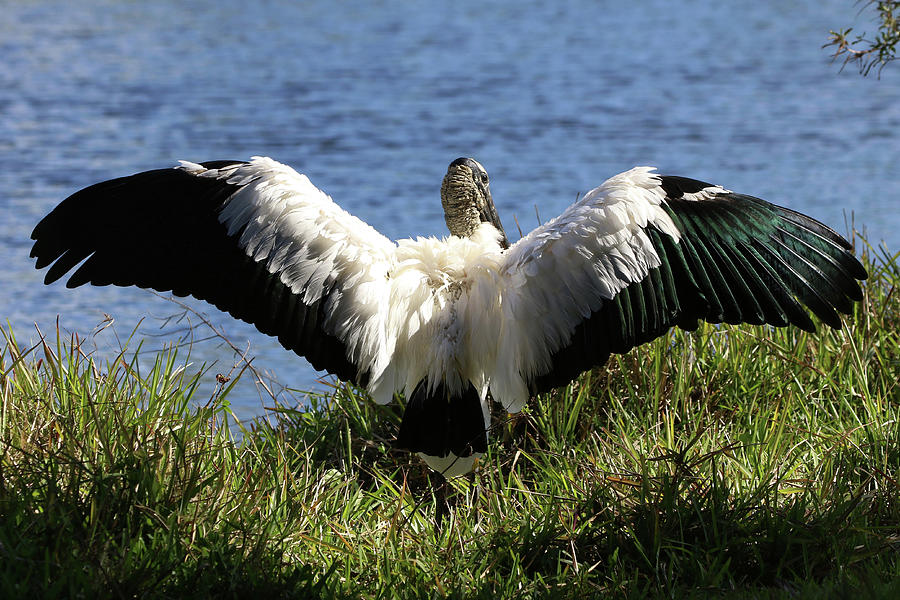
[743,462]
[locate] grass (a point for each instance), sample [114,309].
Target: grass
[734,462]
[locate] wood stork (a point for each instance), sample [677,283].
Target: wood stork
[450,321]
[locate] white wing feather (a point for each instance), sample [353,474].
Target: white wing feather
[315,247]
[561,272]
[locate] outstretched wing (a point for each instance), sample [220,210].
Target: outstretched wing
[644,252]
[256,239]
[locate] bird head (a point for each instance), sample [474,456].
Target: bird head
[466,197]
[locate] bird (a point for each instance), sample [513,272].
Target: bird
[453,323]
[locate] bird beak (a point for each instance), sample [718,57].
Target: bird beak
[489,215]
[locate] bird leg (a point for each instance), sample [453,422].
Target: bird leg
[442,507]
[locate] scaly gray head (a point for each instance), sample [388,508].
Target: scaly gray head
[466,197]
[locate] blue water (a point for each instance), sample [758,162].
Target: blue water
[373,100]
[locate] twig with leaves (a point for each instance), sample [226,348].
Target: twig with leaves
[867,53]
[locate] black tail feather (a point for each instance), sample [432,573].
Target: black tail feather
[438,423]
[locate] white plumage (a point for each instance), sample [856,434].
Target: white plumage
[451,299]
[441,320]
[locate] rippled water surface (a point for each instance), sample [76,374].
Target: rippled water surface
[373,100]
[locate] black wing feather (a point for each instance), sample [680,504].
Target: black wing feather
[739,260]
[159,229]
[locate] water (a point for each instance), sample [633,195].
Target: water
[373,101]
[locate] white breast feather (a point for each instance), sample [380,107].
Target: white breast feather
[444,303]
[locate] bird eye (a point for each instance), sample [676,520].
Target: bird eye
[484,178]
